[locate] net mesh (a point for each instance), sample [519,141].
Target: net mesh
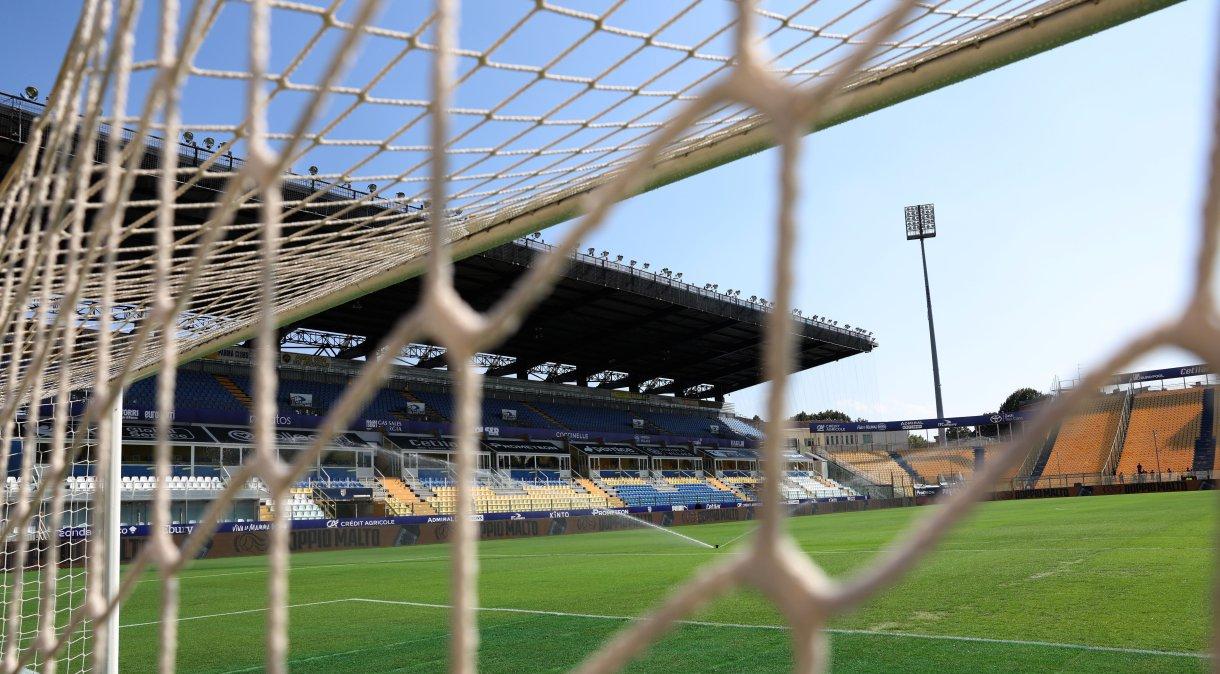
[125,249]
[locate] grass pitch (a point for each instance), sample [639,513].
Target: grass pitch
[1115,583]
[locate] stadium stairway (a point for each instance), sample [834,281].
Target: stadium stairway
[400,500]
[598,491]
[902,463]
[717,483]
[654,428]
[546,417]
[432,410]
[1205,445]
[1044,455]
[236,391]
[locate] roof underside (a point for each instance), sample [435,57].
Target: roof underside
[603,318]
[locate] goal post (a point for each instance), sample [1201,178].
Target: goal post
[111,531]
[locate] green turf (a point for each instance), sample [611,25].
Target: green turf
[1118,571]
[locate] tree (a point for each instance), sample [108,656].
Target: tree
[917,441]
[1020,398]
[960,432]
[824,415]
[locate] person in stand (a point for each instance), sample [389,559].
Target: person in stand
[1139,469]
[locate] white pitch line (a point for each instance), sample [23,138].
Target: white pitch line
[909,635]
[727,625]
[182,619]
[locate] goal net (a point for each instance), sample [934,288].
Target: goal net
[205,172]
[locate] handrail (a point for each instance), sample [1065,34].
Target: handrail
[325,504]
[1098,479]
[1120,434]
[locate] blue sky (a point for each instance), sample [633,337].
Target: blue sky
[1067,189]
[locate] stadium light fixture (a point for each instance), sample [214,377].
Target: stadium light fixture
[30,92]
[618,258]
[313,170]
[753,299]
[372,187]
[920,224]
[209,142]
[591,251]
[537,236]
[400,195]
[633,263]
[646,265]
[678,276]
[188,138]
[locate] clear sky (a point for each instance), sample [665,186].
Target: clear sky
[1067,189]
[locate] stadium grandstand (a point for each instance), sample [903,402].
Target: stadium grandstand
[610,396]
[621,354]
[1144,427]
[546,445]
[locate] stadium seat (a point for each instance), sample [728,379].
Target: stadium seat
[1162,430]
[1084,440]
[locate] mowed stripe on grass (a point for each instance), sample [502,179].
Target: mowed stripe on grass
[1125,572]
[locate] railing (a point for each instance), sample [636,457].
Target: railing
[1099,479]
[325,504]
[1120,435]
[533,505]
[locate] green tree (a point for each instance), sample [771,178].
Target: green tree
[961,432]
[917,441]
[1020,398]
[824,415]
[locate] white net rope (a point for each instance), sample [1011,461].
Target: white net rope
[123,251]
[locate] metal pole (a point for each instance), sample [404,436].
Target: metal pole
[927,288]
[114,502]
